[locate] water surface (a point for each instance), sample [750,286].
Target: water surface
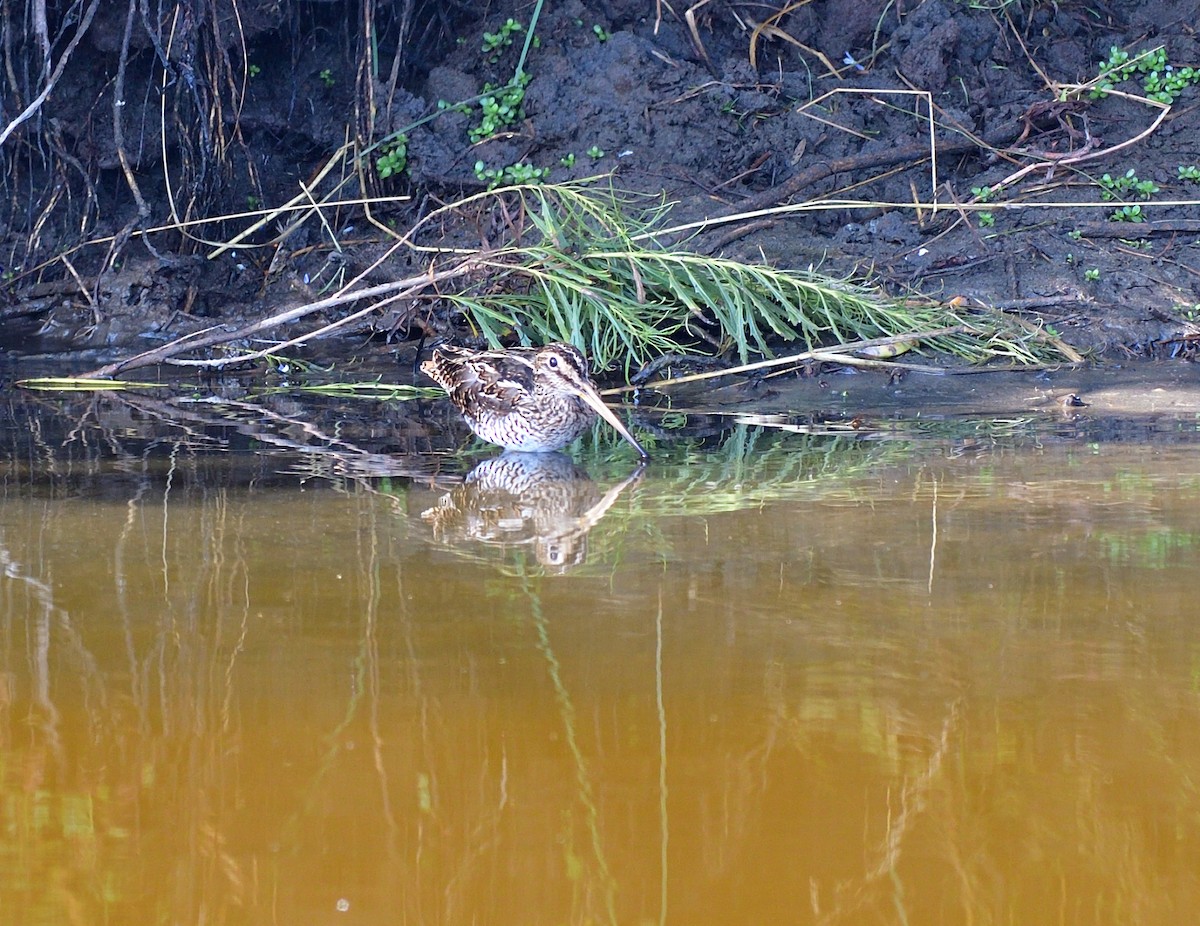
[928,674]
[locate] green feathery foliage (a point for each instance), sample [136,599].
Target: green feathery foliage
[595,274]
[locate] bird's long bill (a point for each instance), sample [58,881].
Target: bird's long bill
[592,397]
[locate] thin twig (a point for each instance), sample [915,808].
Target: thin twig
[216,363]
[190,342]
[840,350]
[1091,154]
[84,24]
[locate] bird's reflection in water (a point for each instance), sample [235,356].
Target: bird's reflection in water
[538,500]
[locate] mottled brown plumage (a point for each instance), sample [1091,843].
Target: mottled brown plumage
[527,399]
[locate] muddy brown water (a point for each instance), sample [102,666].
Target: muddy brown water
[927,672]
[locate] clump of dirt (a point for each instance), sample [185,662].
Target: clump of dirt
[754,107]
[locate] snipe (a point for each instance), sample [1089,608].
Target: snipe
[528,399]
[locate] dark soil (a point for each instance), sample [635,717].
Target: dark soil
[714,119]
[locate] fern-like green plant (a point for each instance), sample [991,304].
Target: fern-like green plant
[588,269]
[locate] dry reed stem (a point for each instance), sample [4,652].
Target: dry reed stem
[770,27]
[407,287]
[835,351]
[300,202]
[690,17]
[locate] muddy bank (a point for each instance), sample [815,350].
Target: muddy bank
[719,118]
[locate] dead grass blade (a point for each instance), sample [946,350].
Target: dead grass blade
[770,28]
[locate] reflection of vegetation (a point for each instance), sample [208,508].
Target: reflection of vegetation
[379,391]
[34,820]
[753,465]
[131,690]
[220,688]
[592,879]
[1157,548]
[750,466]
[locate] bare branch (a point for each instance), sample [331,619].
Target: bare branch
[84,24]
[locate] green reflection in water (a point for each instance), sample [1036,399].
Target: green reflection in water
[1153,549]
[802,678]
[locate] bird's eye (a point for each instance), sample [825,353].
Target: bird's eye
[553,361]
